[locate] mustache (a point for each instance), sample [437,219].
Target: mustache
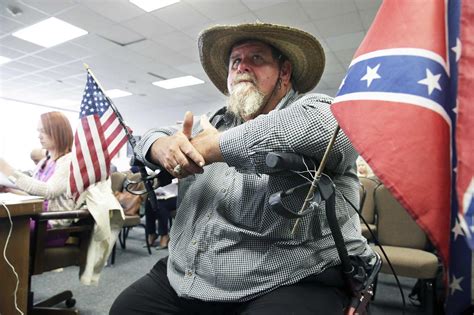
[244,77]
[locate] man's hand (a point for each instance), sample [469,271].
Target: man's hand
[178,150]
[207,142]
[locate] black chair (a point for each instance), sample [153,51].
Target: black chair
[44,258]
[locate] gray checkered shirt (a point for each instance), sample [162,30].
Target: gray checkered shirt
[226,243]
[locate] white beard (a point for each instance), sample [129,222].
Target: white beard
[245,100]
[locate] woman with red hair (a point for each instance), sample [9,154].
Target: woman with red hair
[49,179]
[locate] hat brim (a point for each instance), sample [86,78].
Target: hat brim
[302,49]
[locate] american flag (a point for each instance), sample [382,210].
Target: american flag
[98,138]
[398,105]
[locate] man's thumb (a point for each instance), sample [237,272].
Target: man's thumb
[188,124]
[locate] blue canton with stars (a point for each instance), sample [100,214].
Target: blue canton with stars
[93,100]
[404,74]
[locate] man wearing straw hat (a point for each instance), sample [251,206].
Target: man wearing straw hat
[229,253]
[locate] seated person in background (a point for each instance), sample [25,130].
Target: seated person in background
[363,169]
[37,155]
[229,253]
[166,197]
[50,178]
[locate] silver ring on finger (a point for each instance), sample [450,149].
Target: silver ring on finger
[177,170]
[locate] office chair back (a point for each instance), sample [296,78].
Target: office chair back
[44,258]
[406,244]
[395,227]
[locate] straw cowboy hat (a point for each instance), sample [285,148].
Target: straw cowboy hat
[302,49]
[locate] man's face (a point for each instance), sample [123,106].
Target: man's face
[253,74]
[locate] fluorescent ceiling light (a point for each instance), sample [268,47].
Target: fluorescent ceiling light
[178,82]
[50,32]
[116,93]
[4,60]
[151,5]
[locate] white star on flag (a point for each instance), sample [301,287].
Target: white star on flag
[457,230]
[457,49]
[455,109]
[371,74]
[431,81]
[455,284]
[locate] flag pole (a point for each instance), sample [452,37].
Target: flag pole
[317,177]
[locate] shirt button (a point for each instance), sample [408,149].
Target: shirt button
[193,242]
[224,190]
[189,273]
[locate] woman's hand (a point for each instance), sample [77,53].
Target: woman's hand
[5,168]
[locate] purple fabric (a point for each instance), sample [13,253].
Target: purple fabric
[43,172]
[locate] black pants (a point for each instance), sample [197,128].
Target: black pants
[162,214]
[153,294]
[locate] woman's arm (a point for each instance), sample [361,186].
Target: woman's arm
[54,187]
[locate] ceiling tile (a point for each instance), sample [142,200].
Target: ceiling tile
[95,43]
[37,62]
[196,29]
[8,25]
[345,41]
[50,7]
[260,4]
[333,80]
[28,16]
[368,4]
[10,53]
[160,52]
[50,74]
[9,73]
[332,63]
[74,51]
[345,56]
[367,17]
[287,13]
[85,18]
[327,8]
[116,10]
[180,15]
[217,10]
[19,44]
[71,69]
[148,26]
[53,56]
[237,19]
[119,34]
[177,41]
[20,66]
[194,68]
[340,24]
